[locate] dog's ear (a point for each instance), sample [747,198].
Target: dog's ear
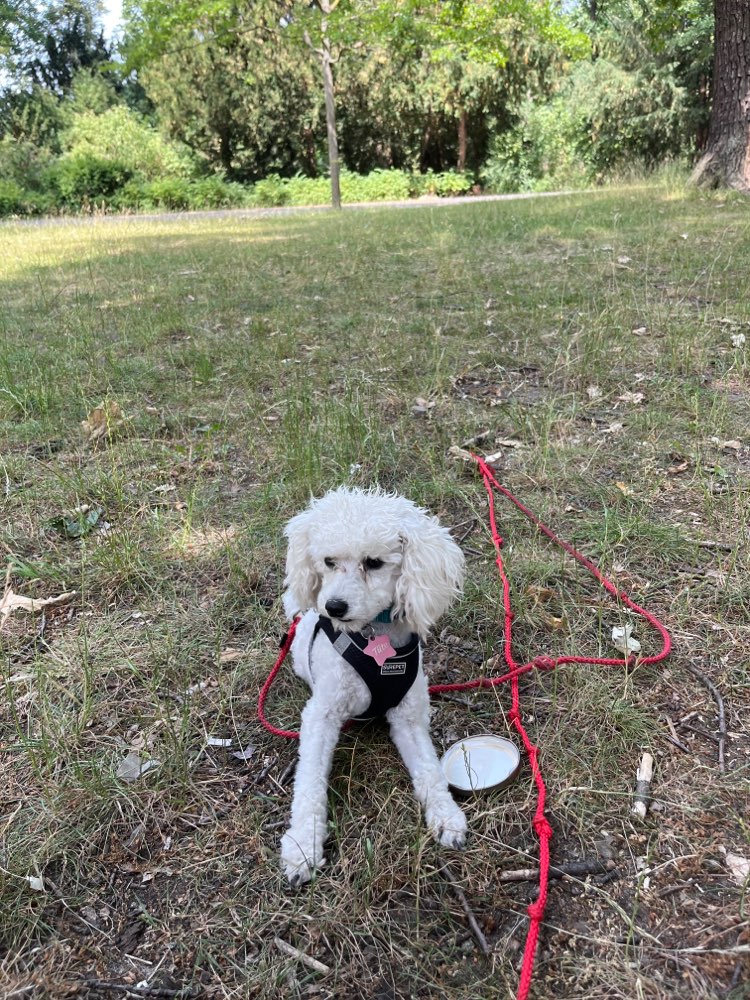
[432,573]
[302,583]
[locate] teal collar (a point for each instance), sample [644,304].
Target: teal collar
[384,617]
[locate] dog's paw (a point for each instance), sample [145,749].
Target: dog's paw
[299,860]
[448,825]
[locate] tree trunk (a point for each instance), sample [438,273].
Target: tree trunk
[333,142]
[462,140]
[727,157]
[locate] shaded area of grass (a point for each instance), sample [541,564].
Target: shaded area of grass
[595,343]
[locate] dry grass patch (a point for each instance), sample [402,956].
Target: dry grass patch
[591,344]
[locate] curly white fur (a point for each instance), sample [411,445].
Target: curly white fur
[353,554]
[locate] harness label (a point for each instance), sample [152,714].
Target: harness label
[391,669]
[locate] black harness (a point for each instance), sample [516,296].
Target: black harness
[389,682]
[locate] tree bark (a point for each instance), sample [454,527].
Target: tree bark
[333,141]
[462,140]
[726,160]
[326,7]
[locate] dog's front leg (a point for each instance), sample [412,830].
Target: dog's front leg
[410,731]
[302,844]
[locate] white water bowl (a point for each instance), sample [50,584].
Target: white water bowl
[481,763]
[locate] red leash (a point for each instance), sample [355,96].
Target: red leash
[540,823]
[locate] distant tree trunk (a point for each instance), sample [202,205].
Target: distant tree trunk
[462,140]
[326,7]
[333,140]
[727,157]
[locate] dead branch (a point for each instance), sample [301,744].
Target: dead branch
[574,869]
[642,793]
[460,896]
[722,546]
[308,960]
[722,735]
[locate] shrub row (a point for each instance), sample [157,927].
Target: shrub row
[85,183]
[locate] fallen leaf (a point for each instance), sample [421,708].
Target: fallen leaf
[537,593]
[738,339]
[739,867]
[134,767]
[102,421]
[640,331]
[36,883]
[676,470]
[624,489]
[631,397]
[552,622]
[422,406]
[731,445]
[245,754]
[594,392]
[230,655]
[623,640]
[612,429]
[17,602]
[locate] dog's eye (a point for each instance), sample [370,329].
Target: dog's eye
[373,563]
[330,563]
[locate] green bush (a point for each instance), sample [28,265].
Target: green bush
[215,192]
[81,181]
[308,190]
[12,199]
[130,198]
[24,161]
[625,117]
[121,135]
[379,185]
[271,192]
[172,193]
[540,153]
[444,185]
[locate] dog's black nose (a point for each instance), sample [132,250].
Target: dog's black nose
[336,608]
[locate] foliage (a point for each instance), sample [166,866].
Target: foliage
[12,198]
[538,153]
[121,135]
[624,116]
[430,96]
[445,185]
[68,40]
[34,115]
[84,180]
[177,193]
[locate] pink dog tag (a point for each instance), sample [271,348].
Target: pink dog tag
[379,648]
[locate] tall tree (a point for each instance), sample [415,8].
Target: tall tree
[727,157]
[70,39]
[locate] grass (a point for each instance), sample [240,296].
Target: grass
[257,361]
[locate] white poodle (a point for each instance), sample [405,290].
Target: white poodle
[371,573]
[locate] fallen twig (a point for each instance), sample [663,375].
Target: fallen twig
[674,738]
[722,546]
[475,928]
[142,991]
[722,734]
[292,952]
[642,793]
[700,732]
[574,869]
